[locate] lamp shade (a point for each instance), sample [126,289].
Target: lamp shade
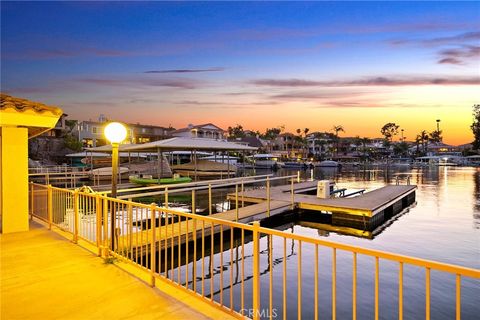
[115,132]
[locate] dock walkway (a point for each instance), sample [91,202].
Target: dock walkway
[365,211]
[179,231]
[45,276]
[368,204]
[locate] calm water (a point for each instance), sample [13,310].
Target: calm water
[443,225]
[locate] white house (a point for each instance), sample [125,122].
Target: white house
[207,131]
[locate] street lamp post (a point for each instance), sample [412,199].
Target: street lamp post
[402,135]
[115,133]
[438,125]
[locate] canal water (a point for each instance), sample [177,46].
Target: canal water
[443,225]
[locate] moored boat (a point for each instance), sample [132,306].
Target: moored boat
[106,173]
[327,164]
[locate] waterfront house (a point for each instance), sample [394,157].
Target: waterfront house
[207,131]
[90,133]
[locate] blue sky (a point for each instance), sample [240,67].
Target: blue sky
[260,64]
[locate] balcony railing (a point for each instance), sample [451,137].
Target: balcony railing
[246,270]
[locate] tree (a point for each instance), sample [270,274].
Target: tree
[236,132]
[272,133]
[423,139]
[365,141]
[418,141]
[302,140]
[337,129]
[401,148]
[476,126]
[389,130]
[435,136]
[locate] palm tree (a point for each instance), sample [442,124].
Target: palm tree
[424,139]
[418,140]
[365,141]
[337,129]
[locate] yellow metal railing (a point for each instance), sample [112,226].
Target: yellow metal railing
[223,261]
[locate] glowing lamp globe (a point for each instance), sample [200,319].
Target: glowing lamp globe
[115,132]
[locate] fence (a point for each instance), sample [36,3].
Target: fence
[248,270]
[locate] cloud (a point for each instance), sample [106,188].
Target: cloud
[461,38]
[180,83]
[286,83]
[459,56]
[315,95]
[186,70]
[449,61]
[226,103]
[371,81]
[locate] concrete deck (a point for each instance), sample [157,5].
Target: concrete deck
[45,276]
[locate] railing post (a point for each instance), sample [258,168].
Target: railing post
[75,216]
[268,196]
[106,245]
[166,197]
[153,244]
[98,211]
[236,202]
[49,206]
[130,228]
[31,200]
[256,271]
[209,199]
[193,202]
[292,193]
[298,176]
[242,189]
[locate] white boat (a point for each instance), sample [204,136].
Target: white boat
[446,160]
[266,161]
[222,159]
[106,173]
[401,162]
[327,164]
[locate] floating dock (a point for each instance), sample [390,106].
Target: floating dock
[364,212]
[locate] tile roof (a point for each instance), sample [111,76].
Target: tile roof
[22,105]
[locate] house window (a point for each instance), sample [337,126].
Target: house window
[94,129]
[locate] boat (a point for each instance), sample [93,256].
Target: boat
[222,159]
[446,160]
[473,160]
[295,165]
[106,173]
[401,162]
[266,161]
[205,168]
[327,164]
[146,180]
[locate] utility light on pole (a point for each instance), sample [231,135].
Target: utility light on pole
[438,125]
[115,132]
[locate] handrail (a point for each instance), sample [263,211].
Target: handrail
[169,186]
[141,230]
[146,194]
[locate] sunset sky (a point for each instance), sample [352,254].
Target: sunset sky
[315,65]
